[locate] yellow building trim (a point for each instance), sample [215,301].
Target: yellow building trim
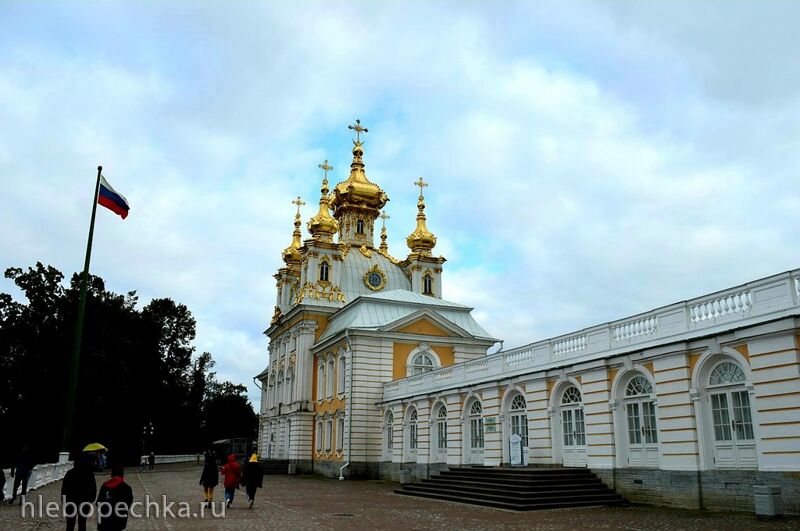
[424,327]
[743,350]
[401,351]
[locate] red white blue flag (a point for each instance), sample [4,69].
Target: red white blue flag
[112,200]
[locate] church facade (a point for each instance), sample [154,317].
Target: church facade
[371,374]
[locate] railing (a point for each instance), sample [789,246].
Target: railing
[41,475]
[759,301]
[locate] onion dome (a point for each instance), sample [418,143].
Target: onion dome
[292,253]
[357,190]
[421,241]
[322,226]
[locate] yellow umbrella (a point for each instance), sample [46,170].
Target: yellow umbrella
[95,447]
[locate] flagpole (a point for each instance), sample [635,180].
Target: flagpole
[72,382]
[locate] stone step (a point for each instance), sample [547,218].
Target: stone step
[519,497]
[515,480]
[557,503]
[525,491]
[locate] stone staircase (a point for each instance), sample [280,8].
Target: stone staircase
[274,467]
[519,489]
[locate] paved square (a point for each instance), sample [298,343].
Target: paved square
[311,503]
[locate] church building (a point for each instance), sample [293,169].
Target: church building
[371,374]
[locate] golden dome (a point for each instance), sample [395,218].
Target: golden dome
[357,190]
[323,226]
[421,241]
[292,253]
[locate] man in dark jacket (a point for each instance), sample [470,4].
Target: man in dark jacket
[2,484]
[114,502]
[252,479]
[78,487]
[21,472]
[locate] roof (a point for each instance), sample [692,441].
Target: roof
[379,311]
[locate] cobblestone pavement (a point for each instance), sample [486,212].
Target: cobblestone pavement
[301,503]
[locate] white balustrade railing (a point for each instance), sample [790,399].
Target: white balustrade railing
[41,475]
[639,327]
[759,301]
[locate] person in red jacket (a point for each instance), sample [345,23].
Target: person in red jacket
[233,476]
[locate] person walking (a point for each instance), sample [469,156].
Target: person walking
[78,487]
[209,478]
[114,501]
[21,472]
[152,460]
[2,485]
[233,476]
[253,478]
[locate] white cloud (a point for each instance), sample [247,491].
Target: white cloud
[586,161]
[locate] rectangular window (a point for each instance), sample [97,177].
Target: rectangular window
[649,423]
[580,430]
[340,379]
[319,436]
[722,420]
[441,432]
[567,427]
[519,426]
[743,422]
[476,433]
[320,379]
[329,379]
[412,429]
[634,429]
[339,434]
[328,434]
[389,437]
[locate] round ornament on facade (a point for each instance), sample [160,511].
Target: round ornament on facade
[375,279]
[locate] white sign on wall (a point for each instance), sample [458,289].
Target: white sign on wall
[515,443]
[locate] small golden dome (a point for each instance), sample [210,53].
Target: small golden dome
[322,226]
[421,241]
[292,253]
[357,189]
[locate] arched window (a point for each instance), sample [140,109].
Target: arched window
[360,226]
[638,386]
[320,435]
[476,425]
[329,379]
[290,386]
[413,438]
[340,373]
[441,427]
[726,373]
[320,378]
[519,418]
[730,405]
[427,284]
[389,431]
[323,271]
[421,363]
[571,396]
[279,389]
[339,432]
[328,434]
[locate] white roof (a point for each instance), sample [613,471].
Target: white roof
[377,310]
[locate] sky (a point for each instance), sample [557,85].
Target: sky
[587,160]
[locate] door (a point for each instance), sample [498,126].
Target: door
[441,435]
[476,442]
[573,429]
[642,433]
[518,418]
[734,441]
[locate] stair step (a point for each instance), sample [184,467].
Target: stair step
[613,499]
[511,495]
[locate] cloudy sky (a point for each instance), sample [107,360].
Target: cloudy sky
[586,161]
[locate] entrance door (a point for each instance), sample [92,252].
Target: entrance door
[476,443]
[573,428]
[642,433]
[518,417]
[734,441]
[288,438]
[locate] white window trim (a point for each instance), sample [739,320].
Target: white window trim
[423,348]
[341,367]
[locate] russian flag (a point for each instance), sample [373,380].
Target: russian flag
[112,200]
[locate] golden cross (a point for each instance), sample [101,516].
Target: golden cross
[299,202]
[384,216]
[358,129]
[422,184]
[325,167]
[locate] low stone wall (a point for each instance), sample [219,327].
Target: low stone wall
[715,490]
[181,458]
